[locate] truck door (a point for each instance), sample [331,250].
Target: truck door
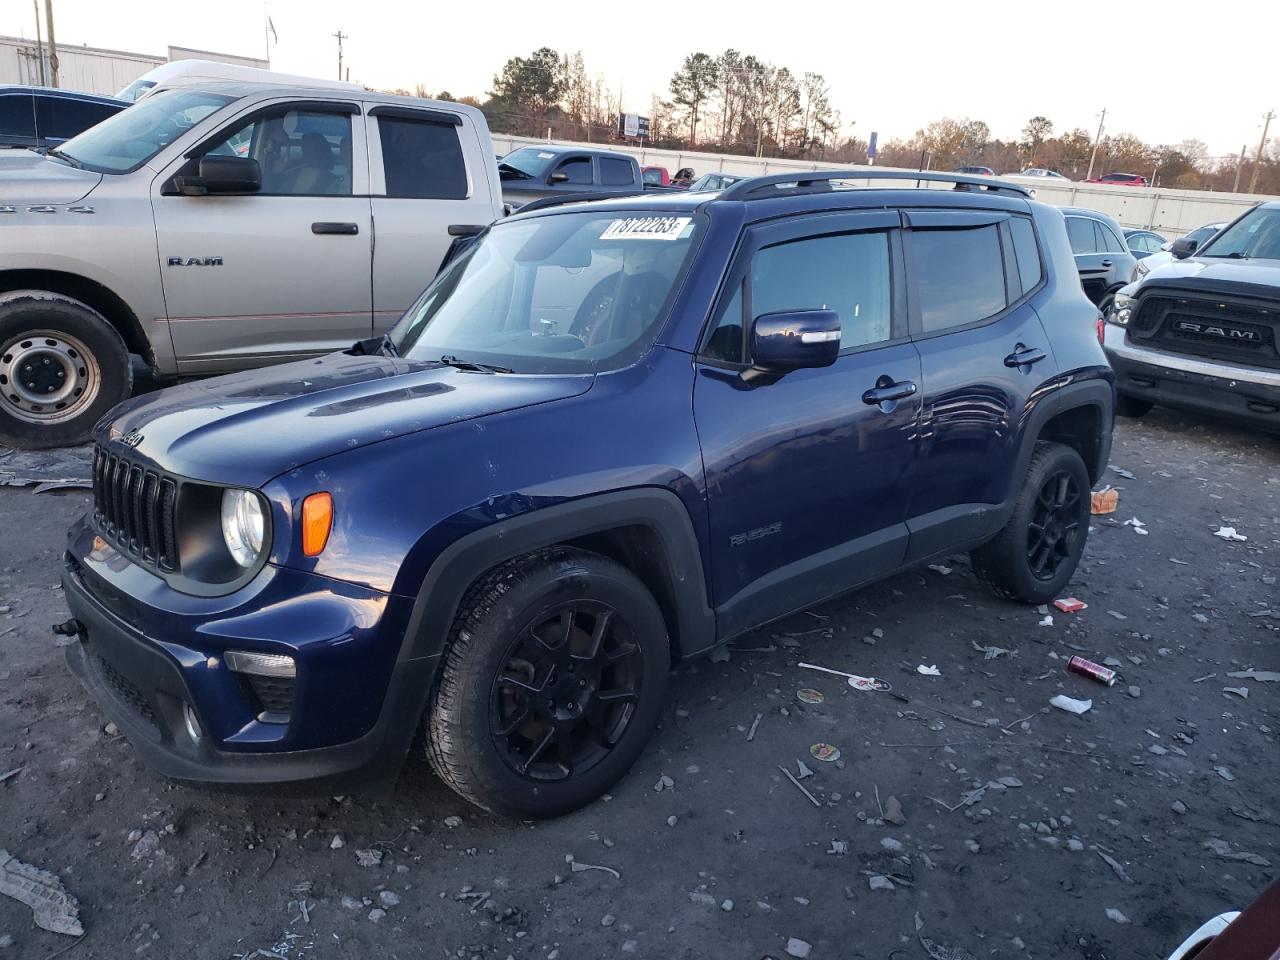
[421,185]
[278,274]
[808,477]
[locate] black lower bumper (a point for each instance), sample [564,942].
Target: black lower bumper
[143,689]
[1237,399]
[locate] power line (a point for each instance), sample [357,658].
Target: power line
[340,37]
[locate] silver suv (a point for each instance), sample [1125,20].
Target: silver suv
[215,228]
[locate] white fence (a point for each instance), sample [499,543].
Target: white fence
[1168,212]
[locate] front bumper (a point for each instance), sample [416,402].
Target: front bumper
[148,653]
[1245,394]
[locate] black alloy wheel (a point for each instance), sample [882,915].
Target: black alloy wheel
[1055,524]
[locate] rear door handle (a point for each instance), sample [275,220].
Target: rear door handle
[342,229]
[888,390]
[1024,356]
[1106,263]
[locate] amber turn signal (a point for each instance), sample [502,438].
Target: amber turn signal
[317,521]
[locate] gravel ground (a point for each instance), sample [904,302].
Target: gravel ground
[1024,831]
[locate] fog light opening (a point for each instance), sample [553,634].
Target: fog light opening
[192,723]
[260,664]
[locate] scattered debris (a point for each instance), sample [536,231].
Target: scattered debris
[719,654]
[453,822]
[938,952]
[1070,605]
[826,752]
[12,773]
[1071,705]
[1115,866]
[800,786]
[755,724]
[1262,676]
[1117,615]
[578,867]
[1138,526]
[991,652]
[53,909]
[369,858]
[1094,671]
[664,783]
[1046,620]
[932,671]
[879,882]
[337,843]
[1223,849]
[810,695]
[1116,916]
[1178,807]
[1104,501]
[940,568]
[804,770]
[1224,773]
[839,848]
[893,812]
[1241,692]
[798,948]
[855,681]
[1122,472]
[1229,533]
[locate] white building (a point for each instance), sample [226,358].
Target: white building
[93,69]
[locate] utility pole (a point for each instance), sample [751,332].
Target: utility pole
[53,44]
[1257,160]
[1096,140]
[340,37]
[39,42]
[1235,187]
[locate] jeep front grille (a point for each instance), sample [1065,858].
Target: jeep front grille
[135,508]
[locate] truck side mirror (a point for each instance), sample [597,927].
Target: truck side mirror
[558,177]
[794,340]
[221,175]
[1183,247]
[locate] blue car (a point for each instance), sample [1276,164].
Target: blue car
[609,437]
[40,118]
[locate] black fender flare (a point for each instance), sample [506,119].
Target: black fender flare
[1094,392]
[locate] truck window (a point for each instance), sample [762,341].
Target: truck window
[615,172]
[422,159]
[61,118]
[578,170]
[301,152]
[18,116]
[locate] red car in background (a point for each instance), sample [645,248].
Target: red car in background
[1121,179]
[655,176]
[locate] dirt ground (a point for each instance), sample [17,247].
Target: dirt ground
[1022,825]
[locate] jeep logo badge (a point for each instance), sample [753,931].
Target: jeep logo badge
[131,439]
[195,261]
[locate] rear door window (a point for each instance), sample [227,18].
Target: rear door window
[615,172]
[422,159]
[1080,232]
[959,276]
[578,170]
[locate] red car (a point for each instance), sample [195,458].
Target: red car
[655,176]
[1121,179]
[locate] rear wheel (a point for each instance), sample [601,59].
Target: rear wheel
[62,366]
[1037,552]
[551,685]
[1127,406]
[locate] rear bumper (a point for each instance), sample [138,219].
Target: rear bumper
[151,686]
[1240,393]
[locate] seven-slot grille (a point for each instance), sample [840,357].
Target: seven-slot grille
[134,508]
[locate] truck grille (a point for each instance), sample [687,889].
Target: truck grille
[135,508]
[1214,327]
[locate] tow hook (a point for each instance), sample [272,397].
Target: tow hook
[69,628]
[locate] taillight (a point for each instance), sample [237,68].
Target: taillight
[1102,329]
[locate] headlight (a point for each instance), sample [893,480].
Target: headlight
[1121,310]
[243,525]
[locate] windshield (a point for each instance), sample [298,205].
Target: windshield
[530,161]
[1201,234]
[135,90]
[1255,235]
[123,143]
[567,293]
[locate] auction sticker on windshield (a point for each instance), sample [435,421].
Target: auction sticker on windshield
[646,228]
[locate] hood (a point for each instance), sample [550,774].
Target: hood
[246,428]
[1249,278]
[27,177]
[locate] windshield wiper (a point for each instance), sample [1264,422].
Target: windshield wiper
[65,158]
[452,361]
[508,172]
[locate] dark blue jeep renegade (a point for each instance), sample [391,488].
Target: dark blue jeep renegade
[608,437]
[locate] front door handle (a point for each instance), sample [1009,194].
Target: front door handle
[342,229]
[1024,356]
[887,391]
[1106,263]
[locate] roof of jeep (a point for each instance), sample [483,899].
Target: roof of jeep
[786,203]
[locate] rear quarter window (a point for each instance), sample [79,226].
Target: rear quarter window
[615,172]
[1080,232]
[1025,252]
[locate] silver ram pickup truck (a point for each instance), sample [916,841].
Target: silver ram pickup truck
[214,228]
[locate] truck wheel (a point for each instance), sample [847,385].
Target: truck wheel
[1127,406]
[552,682]
[1036,553]
[62,366]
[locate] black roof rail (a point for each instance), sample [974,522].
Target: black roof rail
[756,188]
[541,203]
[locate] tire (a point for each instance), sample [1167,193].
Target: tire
[1127,406]
[1054,499]
[504,747]
[77,363]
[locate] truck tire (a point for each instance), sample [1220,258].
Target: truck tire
[62,366]
[1036,553]
[552,682]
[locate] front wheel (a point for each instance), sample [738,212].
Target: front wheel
[1036,553]
[62,366]
[551,685]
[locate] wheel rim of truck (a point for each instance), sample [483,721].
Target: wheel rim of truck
[1055,525]
[47,377]
[567,691]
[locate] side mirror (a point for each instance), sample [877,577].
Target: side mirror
[1183,247]
[223,175]
[558,177]
[795,340]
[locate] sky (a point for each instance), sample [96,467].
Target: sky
[892,68]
